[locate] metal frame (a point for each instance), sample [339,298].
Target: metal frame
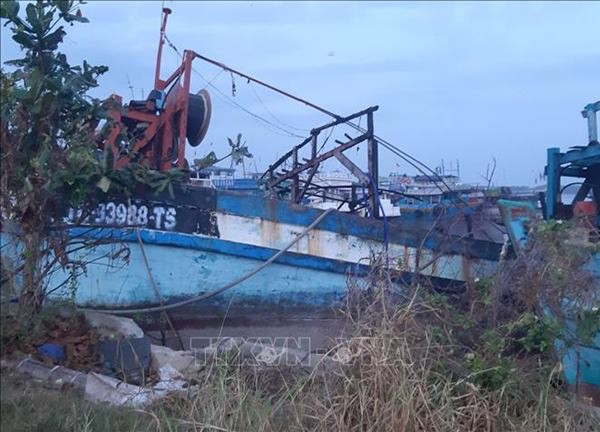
[162,144]
[579,162]
[276,177]
[161,141]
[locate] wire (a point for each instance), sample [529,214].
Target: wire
[414,162]
[155,287]
[420,166]
[213,79]
[250,113]
[273,115]
[230,100]
[326,139]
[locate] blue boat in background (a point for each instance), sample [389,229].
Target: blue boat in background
[580,356]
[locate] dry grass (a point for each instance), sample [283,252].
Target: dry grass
[411,366]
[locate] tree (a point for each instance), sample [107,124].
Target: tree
[239,151]
[49,152]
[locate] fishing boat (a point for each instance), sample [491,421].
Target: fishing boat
[210,250]
[580,356]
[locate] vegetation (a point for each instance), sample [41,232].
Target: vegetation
[239,152]
[48,121]
[49,141]
[26,406]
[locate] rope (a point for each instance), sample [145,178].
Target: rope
[222,289]
[270,112]
[156,290]
[247,111]
[25,360]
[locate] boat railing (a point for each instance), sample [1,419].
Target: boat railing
[202,182]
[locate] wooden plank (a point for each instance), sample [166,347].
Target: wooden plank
[307,183]
[319,159]
[356,171]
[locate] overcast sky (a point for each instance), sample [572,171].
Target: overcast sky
[466,81]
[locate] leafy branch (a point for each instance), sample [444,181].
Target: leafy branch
[49,142]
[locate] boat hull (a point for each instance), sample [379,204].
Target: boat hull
[203,240]
[184,266]
[581,365]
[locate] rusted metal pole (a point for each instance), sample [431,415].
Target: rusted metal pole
[184,106]
[161,42]
[318,159]
[295,179]
[350,166]
[373,166]
[307,183]
[345,119]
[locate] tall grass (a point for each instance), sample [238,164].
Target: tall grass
[416,361]
[410,365]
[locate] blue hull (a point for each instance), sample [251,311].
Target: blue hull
[581,364]
[205,239]
[295,284]
[580,361]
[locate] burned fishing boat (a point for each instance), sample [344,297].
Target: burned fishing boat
[245,253]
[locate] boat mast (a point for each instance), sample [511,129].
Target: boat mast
[163,27]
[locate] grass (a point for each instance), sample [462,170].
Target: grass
[404,376]
[27,406]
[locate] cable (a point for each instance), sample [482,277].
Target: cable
[230,100]
[213,79]
[156,290]
[326,139]
[222,289]
[417,164]
[271,114]
[256,116]
[414,162]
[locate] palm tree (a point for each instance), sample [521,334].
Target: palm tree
[239,151]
